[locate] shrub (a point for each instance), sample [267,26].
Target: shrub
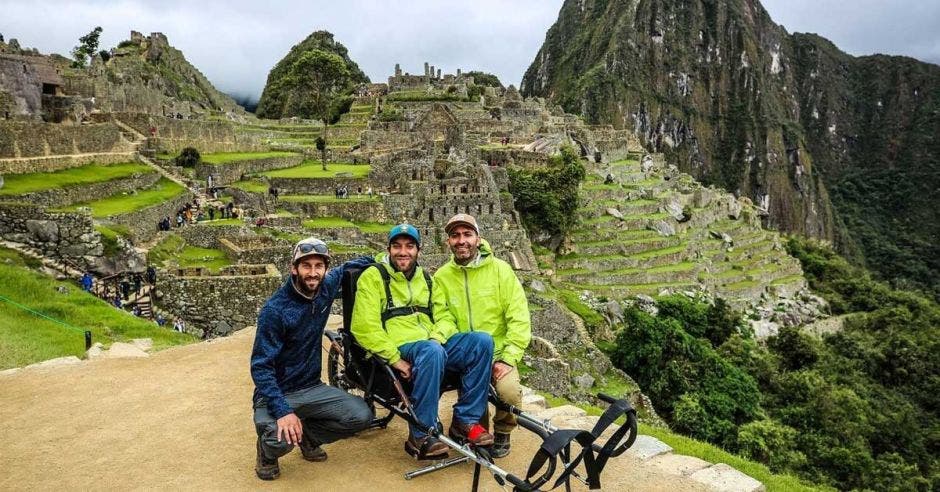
[188,157]
[548,198]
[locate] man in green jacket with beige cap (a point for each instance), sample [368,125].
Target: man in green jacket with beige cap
[482,293]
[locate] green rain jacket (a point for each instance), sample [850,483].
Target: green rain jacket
[484,295]
[366,323]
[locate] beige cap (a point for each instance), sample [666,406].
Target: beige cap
[308,247]
[462,219]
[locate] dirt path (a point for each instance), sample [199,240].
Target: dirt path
[181,419]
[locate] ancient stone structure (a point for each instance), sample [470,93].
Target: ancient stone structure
[68,236]
[218,302]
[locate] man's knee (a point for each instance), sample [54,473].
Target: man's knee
[430,353]
[479,341]
[359,416]
[509,389]
[273,448]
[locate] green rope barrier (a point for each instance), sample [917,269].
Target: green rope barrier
[37,313]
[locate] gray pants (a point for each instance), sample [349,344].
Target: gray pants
[327,414]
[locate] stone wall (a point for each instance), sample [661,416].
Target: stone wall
[60,197]
[318,186]
[173,135]
[221,303]
[372,210]
[231,172]
[257,250]
[142,224]
[59,162]
[208,236]
[70,236]
[35,139]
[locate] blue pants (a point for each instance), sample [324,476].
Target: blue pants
[468,354]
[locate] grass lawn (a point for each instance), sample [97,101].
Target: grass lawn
[226,157]
[326,198]
[253,186]
[314,169]
[26,338]
[18,184]
[162,191]
[327,223]
[174,249]
[373,227]
[223,222]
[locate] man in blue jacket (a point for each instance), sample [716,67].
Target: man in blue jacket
[291,405]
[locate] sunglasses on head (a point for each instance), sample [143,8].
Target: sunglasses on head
[312,247]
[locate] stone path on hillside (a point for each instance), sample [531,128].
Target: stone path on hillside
[181,419]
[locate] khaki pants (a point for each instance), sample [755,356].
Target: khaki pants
[509,390]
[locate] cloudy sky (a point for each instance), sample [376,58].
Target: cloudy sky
[236,42]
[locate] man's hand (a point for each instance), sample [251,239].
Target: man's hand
[501,369]
[290,427]
[404,367]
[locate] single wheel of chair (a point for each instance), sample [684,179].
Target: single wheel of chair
[336,373]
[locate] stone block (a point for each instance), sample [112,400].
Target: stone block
[647,447]
[723,478]
[144,344]
[534,402]
[57,362]
[120,350]
[562,412]
[678,464]
[95,351]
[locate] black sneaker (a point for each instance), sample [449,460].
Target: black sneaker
[311,450]
[500,447]
[426,448]
[265,468]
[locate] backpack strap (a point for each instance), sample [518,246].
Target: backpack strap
[390,311]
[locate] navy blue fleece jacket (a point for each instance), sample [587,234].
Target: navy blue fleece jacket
[287,354]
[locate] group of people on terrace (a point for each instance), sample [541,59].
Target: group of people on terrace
[469,319]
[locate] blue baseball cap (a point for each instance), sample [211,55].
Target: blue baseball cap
[405,230]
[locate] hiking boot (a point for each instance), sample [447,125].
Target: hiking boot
[311,450]
[426,448]
[474,434]
[266,468]
[500,447]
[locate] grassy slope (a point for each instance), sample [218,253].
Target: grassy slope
[226,157]
[314,169]
[18,184]
[162,191]
[26,338]
[174,248]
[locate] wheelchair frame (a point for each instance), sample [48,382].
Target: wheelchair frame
[353,370]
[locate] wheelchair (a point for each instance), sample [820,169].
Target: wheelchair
[571,453]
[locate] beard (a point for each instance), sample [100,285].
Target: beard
[404,265]
[307,285]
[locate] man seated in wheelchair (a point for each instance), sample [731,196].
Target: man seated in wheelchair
[401,331]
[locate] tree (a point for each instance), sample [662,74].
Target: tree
[87,47]
[188,157]
[319,81]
